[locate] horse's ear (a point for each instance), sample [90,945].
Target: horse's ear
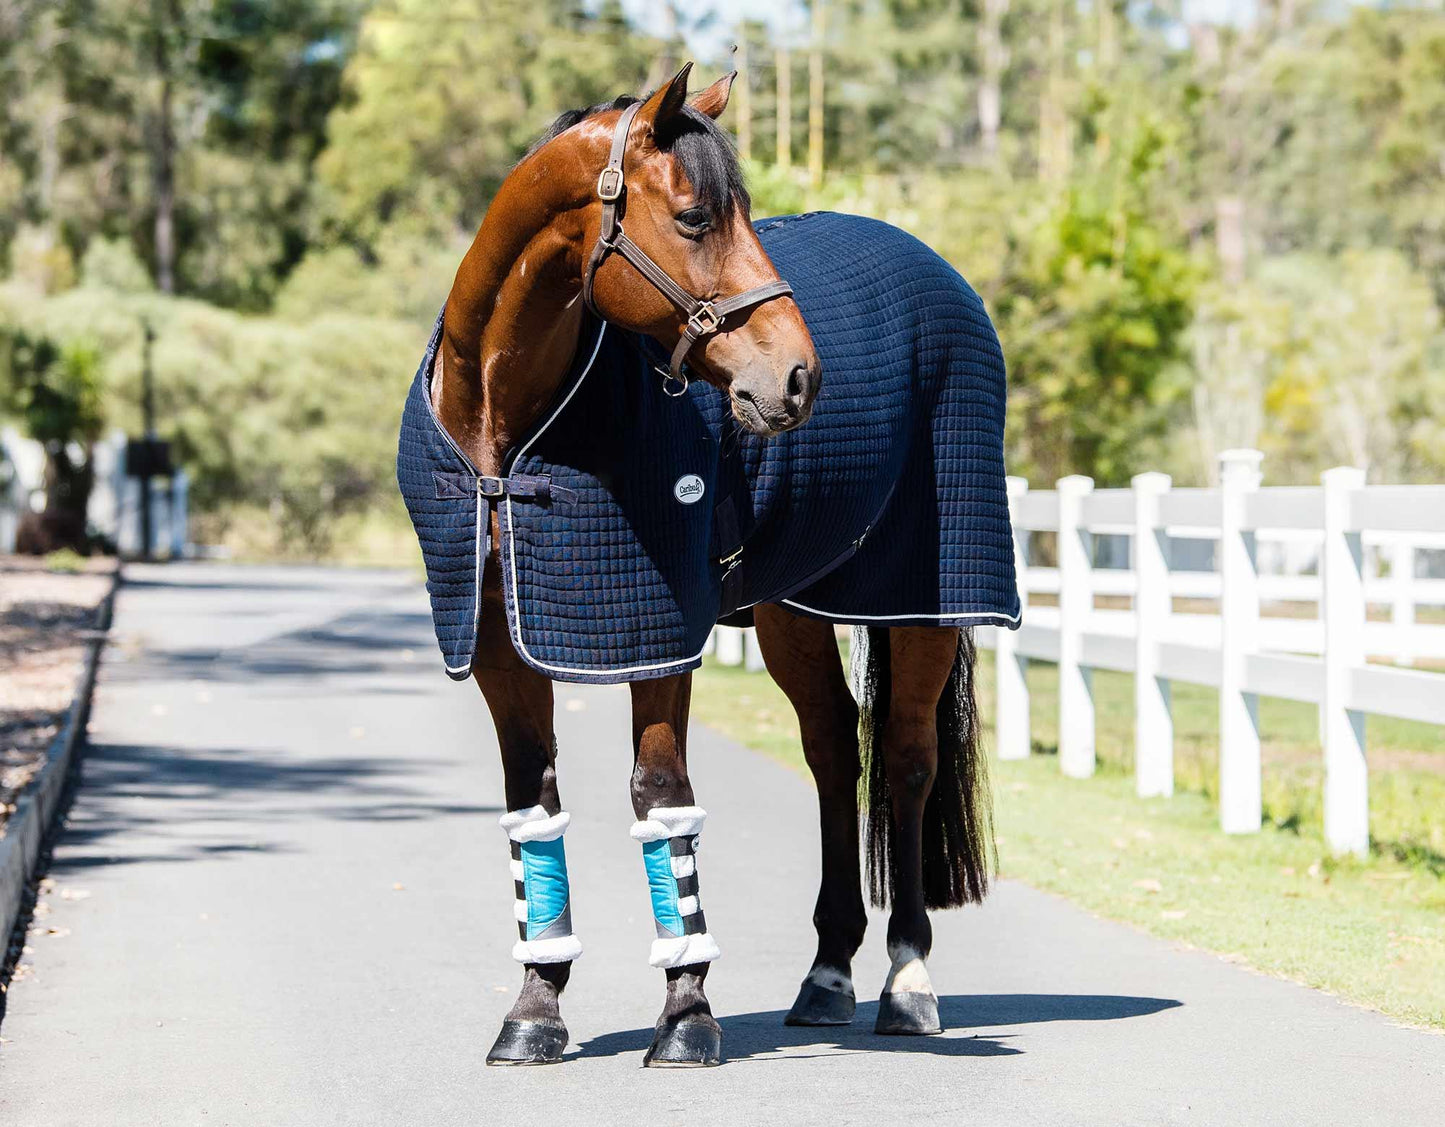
[714,99]
[666,100]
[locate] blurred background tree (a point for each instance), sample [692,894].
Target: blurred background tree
[1193,231]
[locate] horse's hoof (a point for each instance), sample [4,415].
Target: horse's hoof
[910,1014]
[691,1043]
[816,1005]
[528,1042]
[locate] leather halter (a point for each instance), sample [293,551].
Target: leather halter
[704,318]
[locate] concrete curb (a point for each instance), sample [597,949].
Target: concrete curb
[28,827]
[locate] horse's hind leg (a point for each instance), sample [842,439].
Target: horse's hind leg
[668,826]
[520,701]
[919,664]
[802,657]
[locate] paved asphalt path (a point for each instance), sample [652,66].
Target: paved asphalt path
[283,898]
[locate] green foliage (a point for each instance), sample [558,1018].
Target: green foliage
[65,561]
[253,406]
[443,97]
[1185,247]
[53,390]
[1092,307]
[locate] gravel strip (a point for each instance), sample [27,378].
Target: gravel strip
[45,620]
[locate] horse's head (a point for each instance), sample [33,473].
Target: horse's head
[682,203]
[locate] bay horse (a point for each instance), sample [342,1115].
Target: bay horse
[689,276]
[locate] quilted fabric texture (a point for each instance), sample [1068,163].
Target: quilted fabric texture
[887,507]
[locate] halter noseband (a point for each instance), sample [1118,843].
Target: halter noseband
[703,317]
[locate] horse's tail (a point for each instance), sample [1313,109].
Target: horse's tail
[958,848]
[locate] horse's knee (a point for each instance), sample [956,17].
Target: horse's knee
[910,748]
[659,778]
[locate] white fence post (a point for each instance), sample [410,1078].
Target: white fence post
[1402,601]
[1153,721]
[1011,715]
[1239,758]
[180,525]
[1076,604]
[729,645]
[752,652]
[1342,607]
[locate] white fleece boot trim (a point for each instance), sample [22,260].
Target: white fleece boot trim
[684,950]
[558,949]
[669,821]
[534,824]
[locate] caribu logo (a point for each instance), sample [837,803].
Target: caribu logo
[688,489]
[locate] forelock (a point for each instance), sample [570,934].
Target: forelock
[699,144]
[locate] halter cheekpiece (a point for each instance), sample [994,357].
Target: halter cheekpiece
[704,318]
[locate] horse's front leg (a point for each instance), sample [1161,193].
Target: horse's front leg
[520,701]
[668,827]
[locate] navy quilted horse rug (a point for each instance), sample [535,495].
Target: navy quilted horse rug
[631,522]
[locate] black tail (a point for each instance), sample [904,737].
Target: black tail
[958,849]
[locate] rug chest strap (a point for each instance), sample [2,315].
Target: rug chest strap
[524,487]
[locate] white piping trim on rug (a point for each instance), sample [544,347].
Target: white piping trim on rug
[512,556]
[983,618]
[553,416]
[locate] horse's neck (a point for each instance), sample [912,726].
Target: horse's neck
[512,322]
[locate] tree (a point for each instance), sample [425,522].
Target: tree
[54,391]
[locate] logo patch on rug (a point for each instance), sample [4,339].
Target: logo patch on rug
[688,489]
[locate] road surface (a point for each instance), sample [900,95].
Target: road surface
[282,898]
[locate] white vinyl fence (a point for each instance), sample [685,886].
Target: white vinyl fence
[1342,531]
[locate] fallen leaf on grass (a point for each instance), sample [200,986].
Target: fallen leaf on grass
[1149,884]
[1173,913]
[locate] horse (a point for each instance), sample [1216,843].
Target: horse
[537,490]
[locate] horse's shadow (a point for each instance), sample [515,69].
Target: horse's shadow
[754,1036]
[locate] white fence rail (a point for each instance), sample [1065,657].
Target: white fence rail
[1346,528]
[1321,660]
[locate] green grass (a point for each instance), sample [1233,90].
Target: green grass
[1372,932]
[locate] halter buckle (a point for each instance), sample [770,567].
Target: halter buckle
[704,320]
[609,185]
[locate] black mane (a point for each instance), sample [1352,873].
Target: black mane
[705,152]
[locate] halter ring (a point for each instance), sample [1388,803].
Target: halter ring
[669,381]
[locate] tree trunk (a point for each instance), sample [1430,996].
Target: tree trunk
[163,160]
[992,57]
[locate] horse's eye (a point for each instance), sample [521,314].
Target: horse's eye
[695,219]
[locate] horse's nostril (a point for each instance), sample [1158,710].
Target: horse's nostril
[797,382]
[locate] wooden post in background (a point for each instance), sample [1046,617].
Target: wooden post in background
[1076,604]
[815,98]
[743,84]
[1239,759]
[783,65]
